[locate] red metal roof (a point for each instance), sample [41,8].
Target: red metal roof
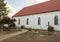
[40,8]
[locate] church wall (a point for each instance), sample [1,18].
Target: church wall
[44,19]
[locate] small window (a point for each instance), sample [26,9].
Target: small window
[27,21]
[39,21]
[48,23]
[56,20]
[18,21]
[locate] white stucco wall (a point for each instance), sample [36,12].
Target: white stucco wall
[45,18]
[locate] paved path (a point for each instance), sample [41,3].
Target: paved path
[11,35]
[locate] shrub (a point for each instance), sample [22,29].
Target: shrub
[22,27]
[35,30]
[12,26]
[50,29]
[30,29]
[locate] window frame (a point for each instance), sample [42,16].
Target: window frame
[56,20]
[39,21]
[27,22]
[19,21]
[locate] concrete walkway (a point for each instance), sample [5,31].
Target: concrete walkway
[3,37]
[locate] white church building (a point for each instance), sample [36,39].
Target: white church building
[39,16]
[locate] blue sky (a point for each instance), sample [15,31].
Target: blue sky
[17,4]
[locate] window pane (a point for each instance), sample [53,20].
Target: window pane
[18,21]
[27,21]
[56,20]
[39,21]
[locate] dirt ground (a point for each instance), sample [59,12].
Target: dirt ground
[35,37]
[7,32]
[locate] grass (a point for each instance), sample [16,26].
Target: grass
[42,36]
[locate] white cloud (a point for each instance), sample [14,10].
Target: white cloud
[31,2]
[12,11]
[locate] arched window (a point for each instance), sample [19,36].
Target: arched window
[38,20]
[27,21]
[18,21]
[56,20]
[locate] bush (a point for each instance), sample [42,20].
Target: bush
[35,30]
[22,27]
[50,29]
[30,29]
[12,26]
